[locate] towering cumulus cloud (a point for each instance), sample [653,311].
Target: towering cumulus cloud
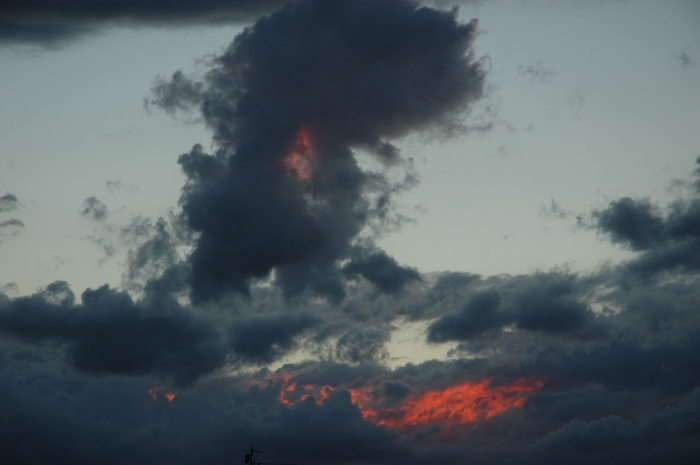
[290,102]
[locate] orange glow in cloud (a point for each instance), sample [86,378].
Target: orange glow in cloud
[292,393]
[456,405]
[298,161]
[156,391]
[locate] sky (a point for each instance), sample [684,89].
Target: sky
[350,231]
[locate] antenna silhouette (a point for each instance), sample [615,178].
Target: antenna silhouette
[250,458]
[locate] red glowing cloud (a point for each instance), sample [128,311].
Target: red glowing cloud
[462,404]
[155,392]
[300,156]
[456,405]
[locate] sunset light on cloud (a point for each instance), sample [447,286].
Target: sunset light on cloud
[300,156]
[349,232]
[160,391]
[460,405]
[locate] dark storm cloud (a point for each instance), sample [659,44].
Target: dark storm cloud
[8,203]
[333,373]
[109,333]
[262,340]
[548,304]
[94,209]
[550,309]
[47,418]
[666,435]
[395,390]
[479,315]
[448,4]
[381,270]
[669,238]
[118,422]
[668,368]
[653,390]
[332,432]
[602,401]
[630,396]
[44,33]
[288,103]
[664,371]
[451,281]
[635,223]
[51,23]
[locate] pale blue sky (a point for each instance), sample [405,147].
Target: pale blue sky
[616,113]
